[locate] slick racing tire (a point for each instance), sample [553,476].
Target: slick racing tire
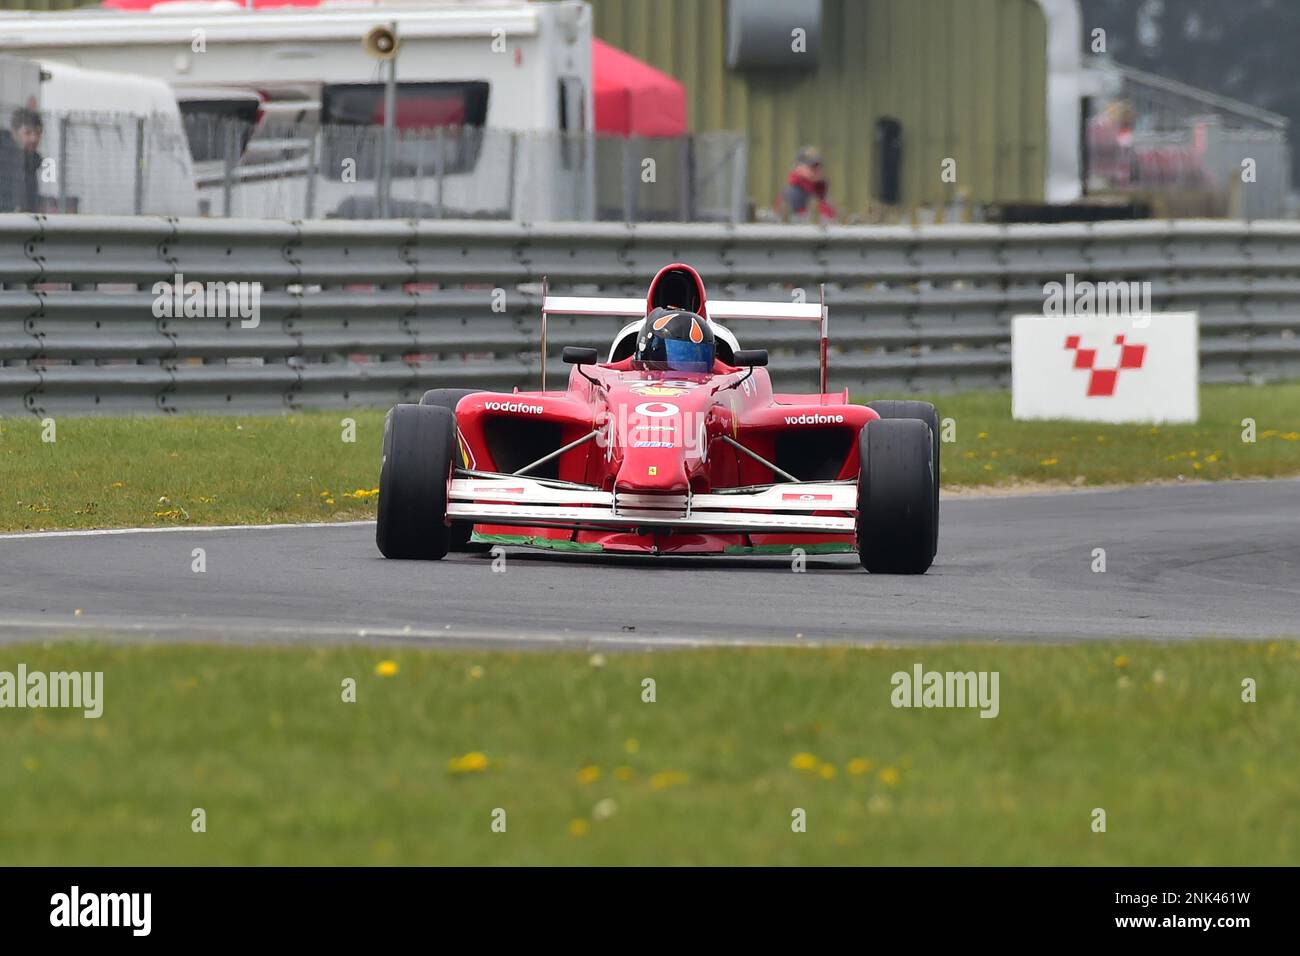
[892,408]
[896,513]
[419,449]
[447,398]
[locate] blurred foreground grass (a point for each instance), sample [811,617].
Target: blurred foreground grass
[1157,735]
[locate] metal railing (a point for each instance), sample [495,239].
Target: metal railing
[105,163]
[1184,148]
[372,313]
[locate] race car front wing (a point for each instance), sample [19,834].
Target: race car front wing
[791,507]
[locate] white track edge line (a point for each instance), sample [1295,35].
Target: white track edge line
[90,532]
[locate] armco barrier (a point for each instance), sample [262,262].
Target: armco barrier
[372,313]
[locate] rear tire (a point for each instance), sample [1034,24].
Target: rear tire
[461,531]
[896,508]
[419,449]
[899,408]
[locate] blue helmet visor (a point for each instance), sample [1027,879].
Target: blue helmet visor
[688,356]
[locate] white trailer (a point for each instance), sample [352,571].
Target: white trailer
[113,143]
[518,74]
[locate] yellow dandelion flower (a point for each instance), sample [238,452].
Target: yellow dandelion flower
[631,745]
[1048,461]
[860,765]
[386,668]
[803,761]
[668,778]
[475,672]
[589,774]
[888,776]
[827,771]
[473,762]
[1121,662]
[578,828]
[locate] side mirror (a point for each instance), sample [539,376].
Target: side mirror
[572,355]
[749,358]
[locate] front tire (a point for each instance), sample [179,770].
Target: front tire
[897,518]
[461,531]
[446,397]
[902,408]
[419,448]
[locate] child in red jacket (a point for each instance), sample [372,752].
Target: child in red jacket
[805,181]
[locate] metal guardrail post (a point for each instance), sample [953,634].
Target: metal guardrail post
[511,189]
[230,159]
[139,165]
[739,174]
[63,163]
[440,160]
[313,171]
[629,181]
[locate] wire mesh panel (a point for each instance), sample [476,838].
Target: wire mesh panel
[227,165]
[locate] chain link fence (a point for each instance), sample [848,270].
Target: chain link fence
[1190,152]
[223,166]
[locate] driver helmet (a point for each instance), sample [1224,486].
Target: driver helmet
[675,340]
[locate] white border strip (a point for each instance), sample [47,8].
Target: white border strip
[91,532]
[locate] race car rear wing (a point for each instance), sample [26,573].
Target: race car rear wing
[720,309]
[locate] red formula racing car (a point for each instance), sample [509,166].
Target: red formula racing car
[675,444]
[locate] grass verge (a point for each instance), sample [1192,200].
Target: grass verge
[103,472]
[1157,735]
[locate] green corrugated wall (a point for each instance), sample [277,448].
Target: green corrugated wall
[966,78]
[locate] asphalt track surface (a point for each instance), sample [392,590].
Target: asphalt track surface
[1182,561]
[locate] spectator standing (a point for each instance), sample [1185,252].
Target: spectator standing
[20,162]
